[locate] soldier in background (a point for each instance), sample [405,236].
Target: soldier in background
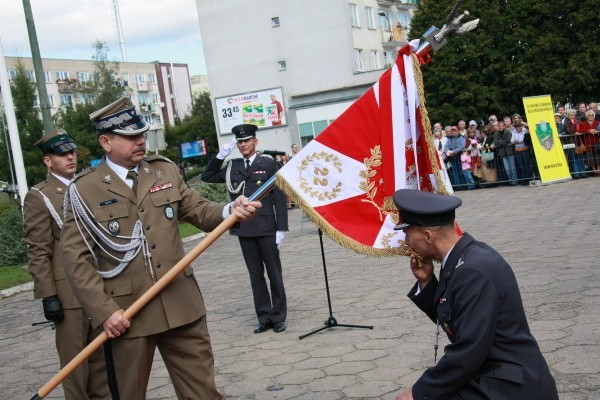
[43,212]
[261,238]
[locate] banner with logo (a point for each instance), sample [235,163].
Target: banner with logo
[264,109]
[549,153]
[344,179]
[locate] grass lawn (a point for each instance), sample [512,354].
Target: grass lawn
[12,276]
[186,230]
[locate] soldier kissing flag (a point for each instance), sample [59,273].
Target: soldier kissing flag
[344,179]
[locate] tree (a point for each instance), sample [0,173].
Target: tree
[102,89]
[30,127]
[520,48]
[199,125]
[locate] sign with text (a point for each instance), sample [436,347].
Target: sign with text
[263,108]
[193,149]
[549,153]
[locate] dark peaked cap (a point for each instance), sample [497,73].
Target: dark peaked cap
[244,131]
[56,142]
[418,208]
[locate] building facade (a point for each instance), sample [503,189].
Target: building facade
[293,67]
[161,91]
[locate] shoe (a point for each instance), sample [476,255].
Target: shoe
[279,327]
[260,328]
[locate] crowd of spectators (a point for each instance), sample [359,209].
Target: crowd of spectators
[501,151]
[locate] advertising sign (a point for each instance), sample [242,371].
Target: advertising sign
[193,149]
[264,109]
[549,154]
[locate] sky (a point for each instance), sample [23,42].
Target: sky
[163,30]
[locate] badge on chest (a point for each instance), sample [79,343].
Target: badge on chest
[169,212]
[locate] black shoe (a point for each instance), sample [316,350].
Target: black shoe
[260,328]
[279,327]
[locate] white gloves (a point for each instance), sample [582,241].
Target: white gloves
[227,149]
[279,235]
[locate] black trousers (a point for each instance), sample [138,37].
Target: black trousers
[261,253]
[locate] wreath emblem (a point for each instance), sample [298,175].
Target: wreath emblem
[368,185]
[320,176]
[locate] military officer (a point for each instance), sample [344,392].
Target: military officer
[476,301]
[120,236]
[43,213]
[260,238]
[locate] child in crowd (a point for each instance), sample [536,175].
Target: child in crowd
[465,161]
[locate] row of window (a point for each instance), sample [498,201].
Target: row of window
[386,18]
[375,60]
[140,77]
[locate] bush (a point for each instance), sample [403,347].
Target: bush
[12,232]
[212,191]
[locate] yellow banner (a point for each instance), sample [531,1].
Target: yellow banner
[549,154]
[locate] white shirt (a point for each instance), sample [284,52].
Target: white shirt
[60,178]
[121,171]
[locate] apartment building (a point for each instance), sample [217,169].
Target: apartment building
[292,67]
[161,91]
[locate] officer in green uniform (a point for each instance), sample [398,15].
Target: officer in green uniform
[43,212]
[121,236]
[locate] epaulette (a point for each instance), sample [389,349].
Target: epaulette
[83,173]
[267,156]
[40,185]
[158,157]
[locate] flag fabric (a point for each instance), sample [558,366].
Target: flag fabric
[344,179]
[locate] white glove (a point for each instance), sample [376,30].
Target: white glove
[227,149]
[279,235]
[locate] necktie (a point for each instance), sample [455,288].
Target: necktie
[247,164]
[439,144]
[131,174]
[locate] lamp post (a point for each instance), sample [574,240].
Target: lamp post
[384,15]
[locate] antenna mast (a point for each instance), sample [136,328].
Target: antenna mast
[114,6]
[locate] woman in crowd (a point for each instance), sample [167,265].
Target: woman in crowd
[487,167]
[591,139]
[521,139]
[577,162]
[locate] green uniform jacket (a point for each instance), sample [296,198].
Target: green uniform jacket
[163,200]
[42,235]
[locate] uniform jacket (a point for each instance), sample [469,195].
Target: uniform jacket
[163,200]
[272,216]
[492,354]
[42,235]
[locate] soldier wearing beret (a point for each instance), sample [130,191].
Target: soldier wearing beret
[120,236]
[260,238]
[476,301]
[43,214]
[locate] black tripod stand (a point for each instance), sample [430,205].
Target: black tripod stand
[331,321]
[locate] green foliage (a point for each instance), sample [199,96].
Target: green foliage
[199,125]
[212,191]
[12,232]
[103,90]
[13,275]
[520,48]
[30,128]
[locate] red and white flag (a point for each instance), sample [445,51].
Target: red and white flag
[344,179]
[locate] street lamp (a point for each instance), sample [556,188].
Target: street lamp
[384,15]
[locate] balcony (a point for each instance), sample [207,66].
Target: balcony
[69,85]
[147,108]
[143,87]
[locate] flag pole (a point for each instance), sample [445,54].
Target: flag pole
[152,292]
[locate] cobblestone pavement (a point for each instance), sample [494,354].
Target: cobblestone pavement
[548,234]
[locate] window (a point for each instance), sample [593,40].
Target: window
[126,79]
[66,100]
[354,20]
[309,130]
[87,99]
[403,19]
[152,78]
[155,98]
[82,76]
[51,100]
[388,59]
[140,77]
[375,63]
[384,21]
[157,119]
[36,102]
[275,22]
[12,74]
[48,76]
[358,64]
[370,17]
[282,65]
[30,75]
[62,75]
